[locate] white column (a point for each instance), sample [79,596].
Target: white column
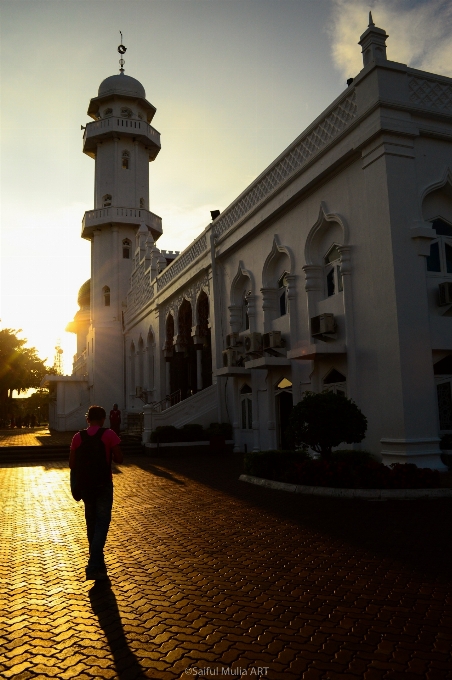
[199,369]
[167,377]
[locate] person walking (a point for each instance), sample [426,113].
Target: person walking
[91,454]
[115,419]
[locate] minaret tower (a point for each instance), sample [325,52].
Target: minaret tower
[122,142]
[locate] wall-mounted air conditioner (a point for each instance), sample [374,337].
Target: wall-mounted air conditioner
[231,357]
[323,324]
[445,293]
[272,340]
[252,342]
[233,340]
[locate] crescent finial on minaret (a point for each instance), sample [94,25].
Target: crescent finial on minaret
[122,50]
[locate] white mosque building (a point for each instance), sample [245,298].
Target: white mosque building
[332,270]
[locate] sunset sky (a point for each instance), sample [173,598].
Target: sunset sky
[233,81]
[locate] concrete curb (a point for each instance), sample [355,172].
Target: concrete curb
[348,493]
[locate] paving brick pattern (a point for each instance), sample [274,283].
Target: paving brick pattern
[34,436]
[211,573]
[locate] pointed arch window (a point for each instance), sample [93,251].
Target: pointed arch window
[440,259]
[335,382]
[245,308]
[106,294]
[246,405]
[126,249]
[125,160]
[333,275]
[282,294]
[106,201]
[141,202]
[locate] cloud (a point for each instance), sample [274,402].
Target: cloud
[420,33]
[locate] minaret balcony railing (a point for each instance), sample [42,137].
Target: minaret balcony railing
[110,127]
[101,217]
[79,365]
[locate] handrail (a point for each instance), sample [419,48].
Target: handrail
[167,402]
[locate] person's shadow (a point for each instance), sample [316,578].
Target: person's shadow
[104,605]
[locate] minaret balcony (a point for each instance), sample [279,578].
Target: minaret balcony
[103,217]
[105,128]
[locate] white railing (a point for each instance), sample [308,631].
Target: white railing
[79,361]
[114,123]
[137,215]
[310,143]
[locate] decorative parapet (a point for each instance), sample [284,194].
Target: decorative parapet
[312,142]
[182,261]
[434,94]
[141,290]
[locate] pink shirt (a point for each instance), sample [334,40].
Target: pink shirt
[109,438]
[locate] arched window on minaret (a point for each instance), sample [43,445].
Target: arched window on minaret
[106,201]
[106,294]
[125,160]
[141,202]
[126,249]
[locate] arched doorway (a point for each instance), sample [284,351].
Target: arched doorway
[283,407]
[203,346]
[183,364]
[443,378]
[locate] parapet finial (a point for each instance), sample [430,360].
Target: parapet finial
[371,21]
[122,50]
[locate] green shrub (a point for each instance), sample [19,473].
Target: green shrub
[273,464]
[164,434]
[345,469]
[351,457]
[368,475]
[220,430]
[192,432]
[325,420]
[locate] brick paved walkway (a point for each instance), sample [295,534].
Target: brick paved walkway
[210,572]
[34,436]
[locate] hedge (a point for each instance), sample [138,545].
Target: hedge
[192,432]
[345,469]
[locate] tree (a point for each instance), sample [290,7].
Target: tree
[322,421]
[20,366]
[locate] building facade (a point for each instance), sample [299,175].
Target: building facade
[332,270]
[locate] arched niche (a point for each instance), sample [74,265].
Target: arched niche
[277,279]
[202,314]
[437,209]
[327,257]
[437,200]
[185,322]
[243,300]
[329,229]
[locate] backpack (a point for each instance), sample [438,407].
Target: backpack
[91,472]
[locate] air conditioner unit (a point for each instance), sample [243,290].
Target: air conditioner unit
[252,342]
[445,293]
[233,339]
[231,357]
[138,391]
[323,324]
[272,339]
